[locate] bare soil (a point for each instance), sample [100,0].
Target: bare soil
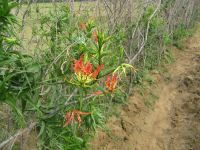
[173,121]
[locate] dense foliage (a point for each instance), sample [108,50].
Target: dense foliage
[79,69]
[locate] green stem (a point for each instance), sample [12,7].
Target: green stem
[100,54]
[1,45]
[83,94]
[81,101]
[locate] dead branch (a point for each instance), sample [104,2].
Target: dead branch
[19,133]
[147,32]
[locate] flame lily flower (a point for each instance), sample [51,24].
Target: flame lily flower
[70,117]
[84,72]
[111,83]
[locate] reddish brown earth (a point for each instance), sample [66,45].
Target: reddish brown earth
[173,122]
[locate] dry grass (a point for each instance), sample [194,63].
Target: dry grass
[34,12]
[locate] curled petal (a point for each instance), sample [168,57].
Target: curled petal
[80,112]
[84,113]
[78,64]
[81,60]
[79,120]
[108,82]
[96,72]
[87,69]
[98,93]
[114,81]
[69,117]
[77,67]
[111,85]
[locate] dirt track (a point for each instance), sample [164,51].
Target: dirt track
[174,122]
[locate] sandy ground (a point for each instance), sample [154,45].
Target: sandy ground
[174,121]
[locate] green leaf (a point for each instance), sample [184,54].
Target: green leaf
[12,5]
[103,54]
[121,51]
[24,102]
[42,129]
[106,72]
[10,41]
[11,101]
[34,68]
[5,7]
[79,139]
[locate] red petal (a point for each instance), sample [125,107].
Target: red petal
[111,85]
[72,118]
[96,72]
[78,64]
[108,82]
[84,113]
[114,81]
[88,68]
[79,120]
[77,67]
[81,58]
[98,93]
[69,117]
[80,112]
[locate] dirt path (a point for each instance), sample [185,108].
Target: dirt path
[174,122]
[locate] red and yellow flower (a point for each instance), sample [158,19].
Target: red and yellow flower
[111,83]
[84,72]
[70,117]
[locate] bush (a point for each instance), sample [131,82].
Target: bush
[78,69]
